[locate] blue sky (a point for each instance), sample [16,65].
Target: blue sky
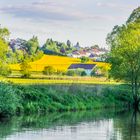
[86,21]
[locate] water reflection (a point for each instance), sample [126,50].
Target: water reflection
[90,125]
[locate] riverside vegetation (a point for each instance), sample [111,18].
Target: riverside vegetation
[30,99]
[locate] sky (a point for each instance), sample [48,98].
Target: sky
[84,21]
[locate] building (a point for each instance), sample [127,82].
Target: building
[87,67]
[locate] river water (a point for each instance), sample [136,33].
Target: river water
[89,125]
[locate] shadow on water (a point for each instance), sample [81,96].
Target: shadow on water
[135,125]
[125,126]
[128,125]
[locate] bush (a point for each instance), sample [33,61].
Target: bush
[50,98]
[25,69]
[49,70]
[96,72]
[8,100]
[84,59]
[71,73]
[5,70]
[93,73]
[77,72]
[60,72]
[83,73]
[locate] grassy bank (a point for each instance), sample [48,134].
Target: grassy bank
[29,99]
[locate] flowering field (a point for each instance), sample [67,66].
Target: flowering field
[58,62]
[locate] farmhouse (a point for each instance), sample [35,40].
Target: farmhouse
[87,67]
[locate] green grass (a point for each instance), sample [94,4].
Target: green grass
[38,99]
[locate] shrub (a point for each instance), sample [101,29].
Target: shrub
[77,72]
[25,69]
[71,73]
[8,100]
[5,70]
[83,73]
[49,70]
[50,98]
[99,71]
[84,59]
[93,73]
[60,72]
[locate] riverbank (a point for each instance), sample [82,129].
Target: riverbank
[41,99]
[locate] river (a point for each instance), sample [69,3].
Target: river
[88,125]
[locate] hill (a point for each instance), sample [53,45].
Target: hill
[58,62]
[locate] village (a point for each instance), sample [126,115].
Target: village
[95,53]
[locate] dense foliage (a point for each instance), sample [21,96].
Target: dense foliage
[9,100]
[25,68]
[84,59]
[4,69]
[49,70]
[135,16]
[78,72]
[57,48]
[51,98]
[125,53]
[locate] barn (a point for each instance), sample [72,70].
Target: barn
[87,67]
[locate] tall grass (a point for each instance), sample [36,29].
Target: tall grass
[40,99]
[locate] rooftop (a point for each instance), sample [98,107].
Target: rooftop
[82,66]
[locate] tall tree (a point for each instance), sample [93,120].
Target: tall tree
[32,45]
[125,56]
[69,43]
[4,34]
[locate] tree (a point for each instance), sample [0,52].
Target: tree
[135,16]
[4,34]
[49,70]
[83,73]
[69,43]
[4,69]
[25,68]
[32,45]
[84,59]
[125,57]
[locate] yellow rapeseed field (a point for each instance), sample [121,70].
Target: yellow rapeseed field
[58,62]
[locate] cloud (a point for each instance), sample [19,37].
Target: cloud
[115,5]
[43,10]
[51,10]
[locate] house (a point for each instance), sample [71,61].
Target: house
[87,67]
[76,54]
[92,55]
[84,53]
